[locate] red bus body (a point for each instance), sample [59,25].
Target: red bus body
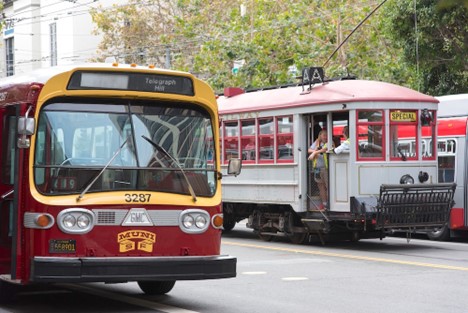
[91,217]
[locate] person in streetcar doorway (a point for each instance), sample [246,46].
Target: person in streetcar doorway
[345,145]
[319,159]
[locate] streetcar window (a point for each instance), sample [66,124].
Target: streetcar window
[231,140]
[428,139]
[403,135]
[370,134]
[285,138]
[266,139]
[248,137]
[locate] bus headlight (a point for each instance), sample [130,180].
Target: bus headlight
[194,221]
[406,179]
[75,221]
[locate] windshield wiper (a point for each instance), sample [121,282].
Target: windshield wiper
[174,161]
[102,171]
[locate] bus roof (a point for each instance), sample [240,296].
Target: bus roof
[42,75]
[343,91]
[453,105]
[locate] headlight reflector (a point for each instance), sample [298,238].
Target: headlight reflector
[406,179]
[194,221]
[75,221]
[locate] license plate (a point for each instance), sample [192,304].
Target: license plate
[62,246]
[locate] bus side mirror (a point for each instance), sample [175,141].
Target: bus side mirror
[26,127]
[234,166]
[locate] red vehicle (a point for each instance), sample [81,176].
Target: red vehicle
[108,174]
[452,146]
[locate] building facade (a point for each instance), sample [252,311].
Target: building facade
[44,33]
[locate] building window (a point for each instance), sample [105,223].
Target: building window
[10,56]
[53,44]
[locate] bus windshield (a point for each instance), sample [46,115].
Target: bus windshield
[77,140]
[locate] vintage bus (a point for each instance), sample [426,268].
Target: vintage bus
[452,146]
[109,174]
[384,184]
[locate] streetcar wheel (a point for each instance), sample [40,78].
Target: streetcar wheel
[297,238]
[228,225]
[265,237]
[156,287]
[439,234]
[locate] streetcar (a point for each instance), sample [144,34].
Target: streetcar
[386,182]
[452,149]
[109,174]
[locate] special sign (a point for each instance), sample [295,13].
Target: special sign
[399,116]
[136,239]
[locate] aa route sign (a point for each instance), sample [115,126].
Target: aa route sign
[313,75]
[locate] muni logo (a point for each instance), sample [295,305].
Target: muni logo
[136,239]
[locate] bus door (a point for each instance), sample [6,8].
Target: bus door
[339,166]
[7,176]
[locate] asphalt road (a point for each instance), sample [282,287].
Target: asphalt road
[391,275]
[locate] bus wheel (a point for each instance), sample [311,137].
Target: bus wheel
[7,292]
[297,238]
[156,287]
[228,224]
[439,234]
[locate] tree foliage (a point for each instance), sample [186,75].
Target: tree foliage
[433,36]
[274,40]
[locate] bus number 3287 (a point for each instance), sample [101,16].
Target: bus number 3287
[137,197]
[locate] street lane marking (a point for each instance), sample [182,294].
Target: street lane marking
[348,256]
[253,273]
[127,299]
[294,278]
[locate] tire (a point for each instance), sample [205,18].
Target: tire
[440,234]
[228,225]
[8,292]
[156,287]
[297,238]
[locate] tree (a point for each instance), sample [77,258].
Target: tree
[433,36]
[273,37]
[136,32]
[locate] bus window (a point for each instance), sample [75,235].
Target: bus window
[9,151]
[370,128]
[446,160]
[266,139]
[285,138]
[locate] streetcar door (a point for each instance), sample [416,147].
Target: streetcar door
[7,175]
[339,166]
[317,193]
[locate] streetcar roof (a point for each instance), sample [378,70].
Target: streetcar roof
[332,92]
[453,105]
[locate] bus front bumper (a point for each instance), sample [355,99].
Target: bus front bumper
[119,269]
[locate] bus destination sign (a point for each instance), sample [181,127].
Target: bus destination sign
[147,82]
